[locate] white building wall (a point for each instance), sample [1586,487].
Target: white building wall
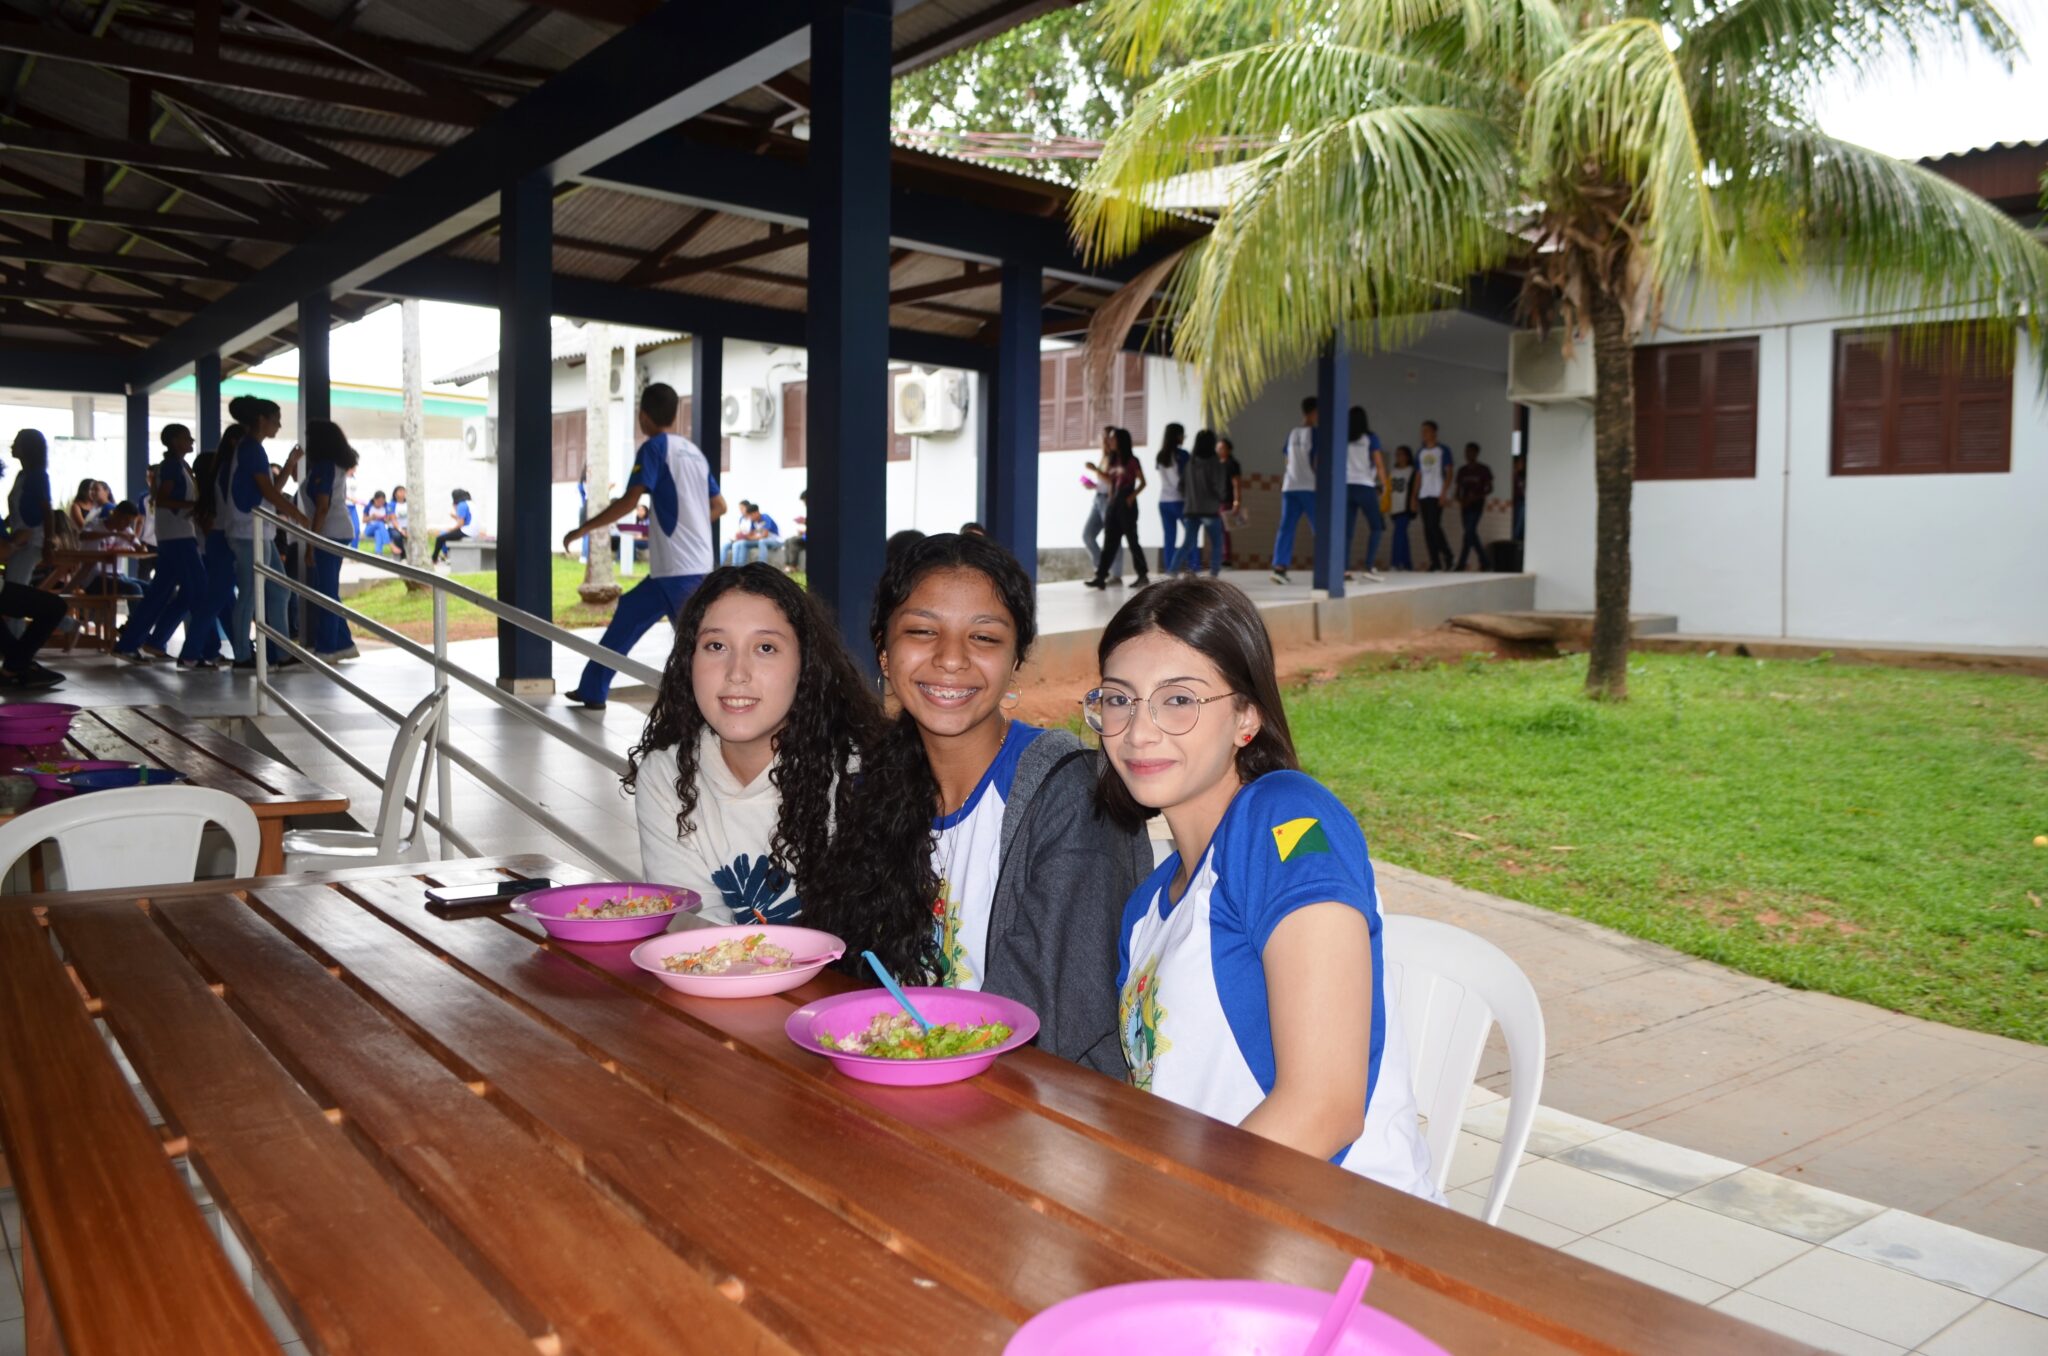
[1797,550]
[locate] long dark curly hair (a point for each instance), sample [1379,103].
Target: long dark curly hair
[878,890]
[834,716]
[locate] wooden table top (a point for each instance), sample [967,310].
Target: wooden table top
[164,737]
[460,1129]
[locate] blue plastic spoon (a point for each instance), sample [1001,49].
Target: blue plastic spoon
[895,989]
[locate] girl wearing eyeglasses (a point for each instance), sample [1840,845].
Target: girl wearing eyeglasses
[971,853]
[1250,965]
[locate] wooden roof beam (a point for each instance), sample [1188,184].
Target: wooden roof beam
[144,155]
[974,277]
[777,240]
[27,248]
[64,208]
[373,54]
[106,301]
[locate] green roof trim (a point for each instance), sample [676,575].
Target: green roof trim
[342,397]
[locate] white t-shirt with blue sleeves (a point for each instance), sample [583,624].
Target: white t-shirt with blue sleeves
[1193,1008]
[679,482]
[967,854]
[174,481]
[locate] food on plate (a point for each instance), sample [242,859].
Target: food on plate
[892,1035]
[720,957]
[626,906]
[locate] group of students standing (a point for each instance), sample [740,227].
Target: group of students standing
[1198,494]
[1241,977]
[1416,484]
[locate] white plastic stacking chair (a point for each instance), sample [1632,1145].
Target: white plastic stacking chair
[137,835]
[1451,986]
[334,849]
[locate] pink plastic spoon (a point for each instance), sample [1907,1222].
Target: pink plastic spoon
[1342,1305]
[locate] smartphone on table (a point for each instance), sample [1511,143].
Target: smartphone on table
[468,901]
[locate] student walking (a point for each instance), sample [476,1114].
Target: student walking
[206,620]
[1233,495]
[178,585]
[1364,471]
[1432,478]
[1474,485]
[1401,484]
[1168,466]
[1098,513]
[1126,483]
[671,471]
[1297,487]
[1204,483]
[241,481]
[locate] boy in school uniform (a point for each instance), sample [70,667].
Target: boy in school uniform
[673,473]
[1433,467]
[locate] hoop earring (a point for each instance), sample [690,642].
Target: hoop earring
[1012,700]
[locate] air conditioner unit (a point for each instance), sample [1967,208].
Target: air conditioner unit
[480,438]
[746,414]
[1539,373]
[930,402]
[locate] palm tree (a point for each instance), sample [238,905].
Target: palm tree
[1622,153]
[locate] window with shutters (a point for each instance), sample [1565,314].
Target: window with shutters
[686,424]
[568,444]
[1068,421]
[1914,403]
[795,423]
[1696,411]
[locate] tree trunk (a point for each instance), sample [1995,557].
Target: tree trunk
[412,430]
[600,582]
[1614,469]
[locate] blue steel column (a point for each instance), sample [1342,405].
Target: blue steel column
[526,226]
[707,394]
[848,424]
[1009,476]
[316,320]
[206,403]
[138,443]
[1333,402]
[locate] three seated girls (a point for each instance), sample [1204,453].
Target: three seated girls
[1241,977]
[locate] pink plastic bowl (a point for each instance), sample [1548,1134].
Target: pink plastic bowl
[1208,1318]
[65,766]
[549,905]
[29,724]
[846,1013]
[801,942]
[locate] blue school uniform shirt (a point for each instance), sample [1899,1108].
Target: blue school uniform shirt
[1193,1009]
[967,855]
[766,524]
[462,512]
[679,482]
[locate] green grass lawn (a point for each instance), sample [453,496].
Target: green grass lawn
[1867,832]
[413,613]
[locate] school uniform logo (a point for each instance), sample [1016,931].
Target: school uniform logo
[954,971]
[1140,1016]
[1299,838]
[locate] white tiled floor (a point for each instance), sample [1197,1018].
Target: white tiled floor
[1845,1275]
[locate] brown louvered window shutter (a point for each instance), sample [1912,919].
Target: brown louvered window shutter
[568,439]
[1917,404]
[1696,410]
[1076,426]
[1131,395]
[795,445]
[1049,403]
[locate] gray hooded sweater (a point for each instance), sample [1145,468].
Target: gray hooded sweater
[1064,875]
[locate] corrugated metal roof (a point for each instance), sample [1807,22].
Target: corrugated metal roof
[1985,150]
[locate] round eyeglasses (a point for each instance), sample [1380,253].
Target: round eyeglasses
[1175,709]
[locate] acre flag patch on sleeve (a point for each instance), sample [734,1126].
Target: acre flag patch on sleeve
[1299,838]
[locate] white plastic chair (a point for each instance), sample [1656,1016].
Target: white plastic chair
[137,835]
[1451,987]
[334,849]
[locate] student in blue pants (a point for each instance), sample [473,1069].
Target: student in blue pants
[672,472]
[179,583]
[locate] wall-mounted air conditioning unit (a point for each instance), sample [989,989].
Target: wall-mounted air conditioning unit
[1539,373]
[480,438]
[930,402]
[746,413]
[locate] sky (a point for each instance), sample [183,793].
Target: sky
[1953,102]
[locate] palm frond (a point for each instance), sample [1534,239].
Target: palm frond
[1233,107]
[1730,51]
[1616,105]
[1363,225]
[1137,34]
[1895,236]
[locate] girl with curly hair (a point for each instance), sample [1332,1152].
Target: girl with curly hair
[973,854]
[746,757]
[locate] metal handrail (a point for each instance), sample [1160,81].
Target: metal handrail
[447,755]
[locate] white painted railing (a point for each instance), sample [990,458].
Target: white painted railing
[436,657]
